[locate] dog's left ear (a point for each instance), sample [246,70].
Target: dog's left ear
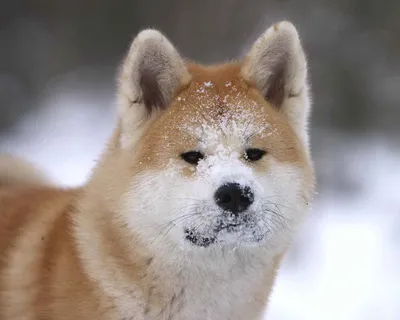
[277,67]
[151,74]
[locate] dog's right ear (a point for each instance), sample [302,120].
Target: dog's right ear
[151,74]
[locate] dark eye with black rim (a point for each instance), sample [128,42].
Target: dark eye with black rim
[192,157]
[254,154]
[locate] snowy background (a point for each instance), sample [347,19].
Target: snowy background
[345,262]
[57,65]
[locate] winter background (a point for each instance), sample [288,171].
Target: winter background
[58,60]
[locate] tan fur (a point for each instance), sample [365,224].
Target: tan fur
[68,253]
[16,171]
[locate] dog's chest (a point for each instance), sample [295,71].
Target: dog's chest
[212,297]
[215,301]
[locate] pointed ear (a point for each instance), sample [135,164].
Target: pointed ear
[277,66]
[150,75]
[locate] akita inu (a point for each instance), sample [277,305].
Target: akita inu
[192,205]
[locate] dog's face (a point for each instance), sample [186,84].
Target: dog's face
[217,161]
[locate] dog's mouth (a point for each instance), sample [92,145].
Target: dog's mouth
[205,239]
[199,240]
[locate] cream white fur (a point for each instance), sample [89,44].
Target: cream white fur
[222,276]
[165,200]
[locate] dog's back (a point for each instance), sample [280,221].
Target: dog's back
[21,189]
[21,194]
[15,171]
[35,246]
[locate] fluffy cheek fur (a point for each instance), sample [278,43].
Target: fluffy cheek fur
[286,191]
[160,207]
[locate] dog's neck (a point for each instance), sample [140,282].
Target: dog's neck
[212,286]
[215,283]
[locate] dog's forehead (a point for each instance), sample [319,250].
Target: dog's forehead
[219,110]
[219,91]
[218,102]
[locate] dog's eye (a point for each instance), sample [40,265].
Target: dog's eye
[192,157]
[254,154]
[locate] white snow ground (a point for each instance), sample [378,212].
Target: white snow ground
[345,264]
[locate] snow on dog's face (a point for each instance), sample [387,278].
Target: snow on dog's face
[219,154]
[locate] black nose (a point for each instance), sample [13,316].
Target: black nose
[234,198]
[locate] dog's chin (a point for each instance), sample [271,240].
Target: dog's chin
[226,235]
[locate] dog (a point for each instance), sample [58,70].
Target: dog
[191,206]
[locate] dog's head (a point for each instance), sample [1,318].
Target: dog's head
[215,156]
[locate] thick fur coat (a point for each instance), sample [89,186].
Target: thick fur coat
[191,206]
